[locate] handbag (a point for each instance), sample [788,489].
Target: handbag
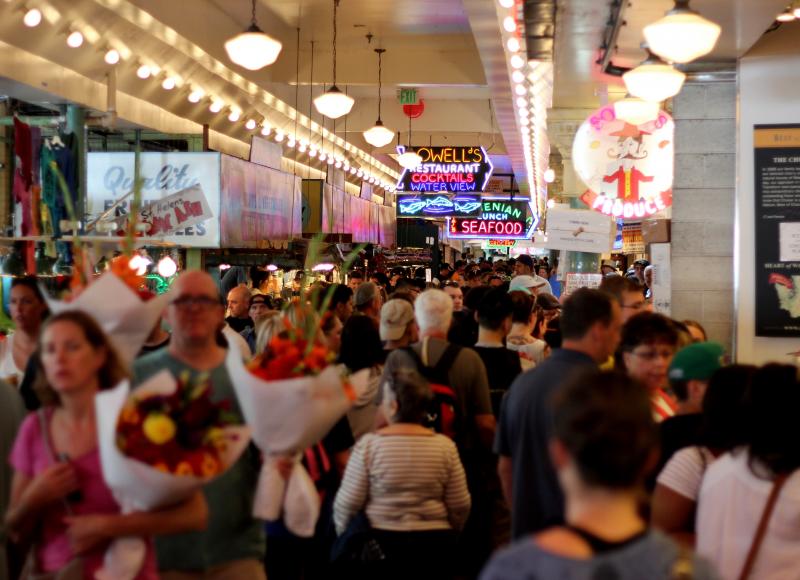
[761,530]
[357,543]
[74,568]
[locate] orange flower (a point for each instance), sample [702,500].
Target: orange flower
[161,466]
[130,415]
[184,468]
[211,465]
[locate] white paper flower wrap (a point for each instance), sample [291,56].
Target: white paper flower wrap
[136,485]
[287,417]
[120,312]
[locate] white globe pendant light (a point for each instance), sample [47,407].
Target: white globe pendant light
[635,111]
[409,159]
[682,35]
[253,49]
[653,80]
[333,103]
[379,135]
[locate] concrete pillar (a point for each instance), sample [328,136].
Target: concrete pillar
[703,207]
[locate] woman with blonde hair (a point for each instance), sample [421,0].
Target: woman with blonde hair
[58,495]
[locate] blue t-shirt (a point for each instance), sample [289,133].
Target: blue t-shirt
[654,557]
[524,435]
[232,533]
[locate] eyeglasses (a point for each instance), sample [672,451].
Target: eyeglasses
[187,302]
[652,354]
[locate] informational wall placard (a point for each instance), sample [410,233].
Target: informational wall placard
[662,278]
[437,206]
[628,169]
[498,219]
[578,230]
[777,229]
[575,280]
[447,169]
[109,178]
[259,205]
[175,212]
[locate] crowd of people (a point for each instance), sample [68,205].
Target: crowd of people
[505,431]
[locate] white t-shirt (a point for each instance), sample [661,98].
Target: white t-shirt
[8,368]
[732,500]
[683,473]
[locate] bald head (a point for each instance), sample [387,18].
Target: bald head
[239,302]
[195,280]
[195,312]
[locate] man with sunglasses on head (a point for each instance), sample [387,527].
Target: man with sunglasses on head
[233,544]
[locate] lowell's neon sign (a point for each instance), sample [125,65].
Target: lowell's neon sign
[447,169]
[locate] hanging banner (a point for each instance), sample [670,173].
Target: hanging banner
[437,206]
[109,180]
[628,169]
[777,229]
[447,169]
[259,205]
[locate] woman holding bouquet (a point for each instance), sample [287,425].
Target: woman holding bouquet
[410,483]
[58,493]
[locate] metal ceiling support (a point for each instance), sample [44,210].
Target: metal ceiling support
[613,25]
[540,28]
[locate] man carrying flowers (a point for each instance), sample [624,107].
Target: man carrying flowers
[233,545]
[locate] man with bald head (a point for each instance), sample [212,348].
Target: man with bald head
[239,309]
[233,545]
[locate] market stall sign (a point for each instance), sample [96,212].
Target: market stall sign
[177,211]
[447,169]
[499,219]
[438,206]
[628,169]
[497,244]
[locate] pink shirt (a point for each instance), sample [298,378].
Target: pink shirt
[30,458]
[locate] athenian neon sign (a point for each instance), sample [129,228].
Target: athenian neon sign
[447,169]
[499,219]
[628,169]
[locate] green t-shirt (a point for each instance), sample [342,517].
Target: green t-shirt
[232,533]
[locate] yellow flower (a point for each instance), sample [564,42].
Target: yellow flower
[158,428]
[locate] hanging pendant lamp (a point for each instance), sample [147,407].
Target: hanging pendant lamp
[635,111]
[379,135]
[408,158]
[333,103]
[682,35]
[653,80]
[253,49]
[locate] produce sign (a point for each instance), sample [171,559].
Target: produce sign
[628,169]
[447,169]
[438,206]
[499,219]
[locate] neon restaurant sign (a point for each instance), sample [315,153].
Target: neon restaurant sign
[447,169]
[628,169]
[500,219]
[438,206]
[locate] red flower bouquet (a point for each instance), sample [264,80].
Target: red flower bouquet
[180,433]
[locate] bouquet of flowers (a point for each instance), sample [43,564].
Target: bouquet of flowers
[114,300]
[158,445]
[291,396]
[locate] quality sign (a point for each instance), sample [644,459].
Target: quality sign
[447,170]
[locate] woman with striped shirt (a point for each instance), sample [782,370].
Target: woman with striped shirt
[409,481]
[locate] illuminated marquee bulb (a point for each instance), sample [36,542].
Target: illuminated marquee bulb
[216,106]
[266,129]
[512,44]
[506,3]
[112,56]
[279,135]
[32,18]
[509,24]
[250,125]
[143,72]
[234,116]
[75,39]
[517,61]
[196,95]
[168,84]
[517,76]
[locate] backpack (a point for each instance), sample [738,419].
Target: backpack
[444,416]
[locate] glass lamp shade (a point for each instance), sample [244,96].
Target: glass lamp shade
[409,160]
[654,82]
[682,36]
[635,111]
[253,49]
[333,103]
[378,136]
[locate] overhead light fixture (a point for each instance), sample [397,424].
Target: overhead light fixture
[168,84]
[266,129]
[379,135]
[333,103]
[75,39]
[279,135]
[409,159]
[196,95]
[32,18]
[653,80]
[253,49]
[635,111]
[250,125]
[506,3]
[112,56]
[143,72]
[509,24]
[787,15]
[512,44]
[517,61]
[234,115]
[549,175]
[517,76]
[216,106]
[682,35]
[797,12]
[323,157]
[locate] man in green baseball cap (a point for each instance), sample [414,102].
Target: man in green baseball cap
[689,372]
